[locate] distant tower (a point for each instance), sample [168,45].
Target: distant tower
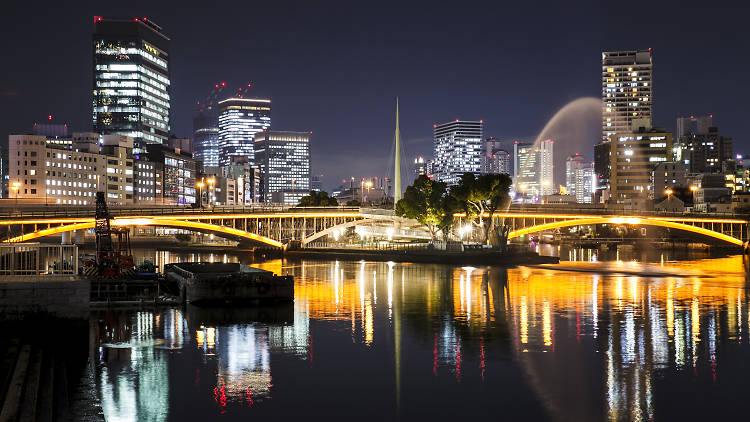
[397,163]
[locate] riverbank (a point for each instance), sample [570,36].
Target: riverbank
[479,257]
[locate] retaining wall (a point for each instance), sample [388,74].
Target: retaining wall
[58,296]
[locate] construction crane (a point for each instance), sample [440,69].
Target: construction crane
[210,102]
[112,260]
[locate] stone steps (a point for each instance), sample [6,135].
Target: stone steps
[34,385]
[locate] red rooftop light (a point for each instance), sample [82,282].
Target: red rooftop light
[223,84]
[49,117]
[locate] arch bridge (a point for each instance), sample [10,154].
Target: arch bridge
[276,227]
[732,229]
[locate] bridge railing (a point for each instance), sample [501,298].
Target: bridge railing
[33,259]
[87,212]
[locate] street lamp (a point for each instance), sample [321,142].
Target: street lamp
[211,182]
[669,192]
[693,188]
[15,186]
[200,190]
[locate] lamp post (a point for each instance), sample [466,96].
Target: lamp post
[200,192]
[693,188]
[211,182]
[16,186]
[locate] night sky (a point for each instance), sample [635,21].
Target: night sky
[335,68]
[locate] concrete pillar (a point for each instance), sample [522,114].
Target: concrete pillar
[65,238]
[80,235]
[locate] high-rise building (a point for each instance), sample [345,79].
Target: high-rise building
[206,138]
[420,167]
[580,178]
[701,147]
[533,169]
[457,150]
[239,120]
[627,89]
[284,161]
[634,155]
[692,124]
[495,159]
[131,80]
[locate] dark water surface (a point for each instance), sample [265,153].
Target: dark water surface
[379,341]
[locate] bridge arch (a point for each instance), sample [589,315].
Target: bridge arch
[147,221]
[628,221]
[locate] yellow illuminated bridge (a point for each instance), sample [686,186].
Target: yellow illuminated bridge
[277,227]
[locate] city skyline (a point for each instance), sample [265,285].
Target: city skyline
[329,97]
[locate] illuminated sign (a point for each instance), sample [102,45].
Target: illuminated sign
[151,50]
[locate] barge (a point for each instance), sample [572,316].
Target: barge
[212,282]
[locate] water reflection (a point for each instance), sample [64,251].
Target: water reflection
[582,344]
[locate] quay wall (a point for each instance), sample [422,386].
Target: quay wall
[64,297]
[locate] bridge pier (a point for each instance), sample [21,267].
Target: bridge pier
[66,239]
[79,237]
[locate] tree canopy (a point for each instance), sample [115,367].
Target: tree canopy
[480,197]
[428,201]
[317,199]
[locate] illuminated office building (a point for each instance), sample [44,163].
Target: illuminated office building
[457,150]
[634,156]
[580,178]
[533,169]
[206,139]
[495,159]
[284,161]
[627,89]
[131,80]
[239,120]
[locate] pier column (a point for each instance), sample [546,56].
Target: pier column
[65,238]
[79,237]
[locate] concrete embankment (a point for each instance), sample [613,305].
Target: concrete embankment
[422,256]
[64,297]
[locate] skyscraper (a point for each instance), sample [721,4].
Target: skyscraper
[580,178]
[239,120]
[284,161]
[457,150]
[533,169]
[131,80]
[704,149]
[627,89]
[206,138]
[495,159]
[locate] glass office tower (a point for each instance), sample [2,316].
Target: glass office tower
[239,120]
[131,80]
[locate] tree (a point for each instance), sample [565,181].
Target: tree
[481,197]
[353,203]
[428,202]
[317,199]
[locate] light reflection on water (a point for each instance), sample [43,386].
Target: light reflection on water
[569,344]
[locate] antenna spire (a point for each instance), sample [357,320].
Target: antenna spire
[397,163]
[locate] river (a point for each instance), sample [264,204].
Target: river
[629,336]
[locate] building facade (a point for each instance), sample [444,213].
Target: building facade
[457,150]
[703,149]
[668,175]
[53,174]
[175,175]
[239,120]
[206,139]
[131,80]
[495,159]
[283,158]
[533,169]
[580,178]
[633,157]
[627,90]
